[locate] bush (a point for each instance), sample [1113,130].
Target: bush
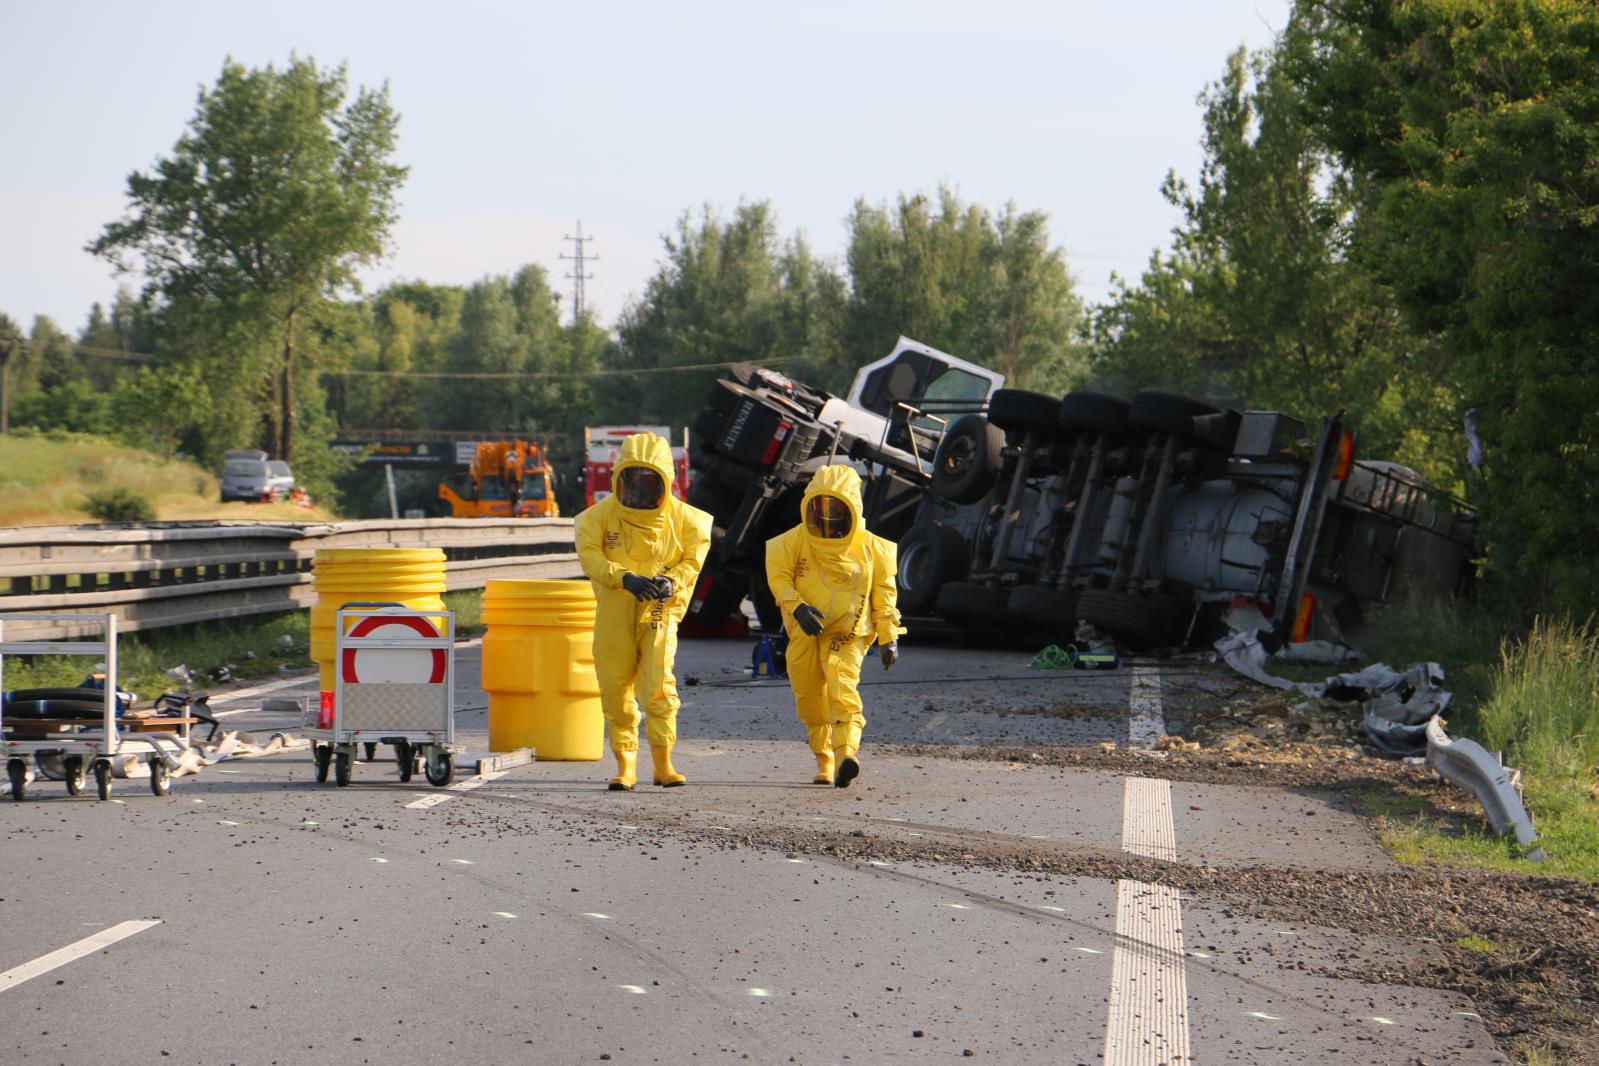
[120,505]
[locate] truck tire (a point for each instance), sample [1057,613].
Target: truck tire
[929,555]
[973,605]
[1093,412]
[1143,622]
[967,462]
[1167,412]
[709,496]
[1020,410]
[1041,605]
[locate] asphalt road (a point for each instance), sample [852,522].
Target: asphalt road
[534,917]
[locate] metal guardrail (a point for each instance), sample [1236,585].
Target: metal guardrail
[177,573]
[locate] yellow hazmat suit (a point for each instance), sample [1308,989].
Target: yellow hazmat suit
[848,581]
[635,634]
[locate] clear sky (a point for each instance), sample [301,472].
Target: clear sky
[519,119]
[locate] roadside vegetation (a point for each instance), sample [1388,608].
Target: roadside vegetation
[63,478]
[1536,699]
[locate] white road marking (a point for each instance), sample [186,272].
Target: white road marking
[762,992]
[637,990]
[594,914]
[504,914]
[1147,716]
[1147,828]
[433,799]
[256,690]
[1263,1016]
[1147,1023]
[72,952]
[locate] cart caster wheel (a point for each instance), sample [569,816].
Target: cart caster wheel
[323,755]
[371,751]
[102,778]
[17,770]
[406,758]
[341,767]
[160,777]
[440,769]
[73,765]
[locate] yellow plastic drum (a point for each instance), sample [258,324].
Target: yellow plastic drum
[538,669]
[411,576]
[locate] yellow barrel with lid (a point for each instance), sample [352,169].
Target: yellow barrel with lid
[538,669]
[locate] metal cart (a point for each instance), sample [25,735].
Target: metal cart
[393,683]
[74,749]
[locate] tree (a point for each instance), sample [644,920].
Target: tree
[155,408]
[728,290]
[275,195]
[990,289]
[1471,129]
[1259,304]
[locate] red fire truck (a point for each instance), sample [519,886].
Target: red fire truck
[600,446]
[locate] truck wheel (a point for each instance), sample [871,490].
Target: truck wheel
[733,477]
[1167,412]
[930,554]
[1142,622]
[1020,410]
[967,462]
[969,604]
[1039,605]
[1093,412]
[713,499]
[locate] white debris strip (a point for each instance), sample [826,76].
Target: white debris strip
[1146,720]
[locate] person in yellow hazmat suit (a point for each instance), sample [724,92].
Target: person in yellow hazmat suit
[643,549]
[835,583]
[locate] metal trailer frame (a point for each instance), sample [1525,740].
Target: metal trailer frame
[82,751]
[426,734]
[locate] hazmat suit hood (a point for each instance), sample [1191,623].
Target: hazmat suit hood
[647,450]
[840,557]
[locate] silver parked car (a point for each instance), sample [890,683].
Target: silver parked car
[249,475]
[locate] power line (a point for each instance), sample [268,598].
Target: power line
[554,375]
[578,257]
[83,349]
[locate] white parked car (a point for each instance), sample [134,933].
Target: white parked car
[249,475]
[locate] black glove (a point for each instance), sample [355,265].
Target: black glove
[663,587]
[809,619]
[642,588]
[889,653]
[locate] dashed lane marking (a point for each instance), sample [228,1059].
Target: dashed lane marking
[433,799]
[72,952]
[1146,720]
[1147,1023]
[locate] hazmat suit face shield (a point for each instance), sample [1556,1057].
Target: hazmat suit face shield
[640,489]
[828,518]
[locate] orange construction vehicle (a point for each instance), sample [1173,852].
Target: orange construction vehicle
[507,479]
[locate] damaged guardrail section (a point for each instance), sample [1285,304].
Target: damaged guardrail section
[1468,764]
[178,573]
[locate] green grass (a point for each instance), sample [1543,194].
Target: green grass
[49,478]
[1533,697]
[251,647]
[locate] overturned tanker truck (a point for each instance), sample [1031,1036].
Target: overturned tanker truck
[1019,515]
